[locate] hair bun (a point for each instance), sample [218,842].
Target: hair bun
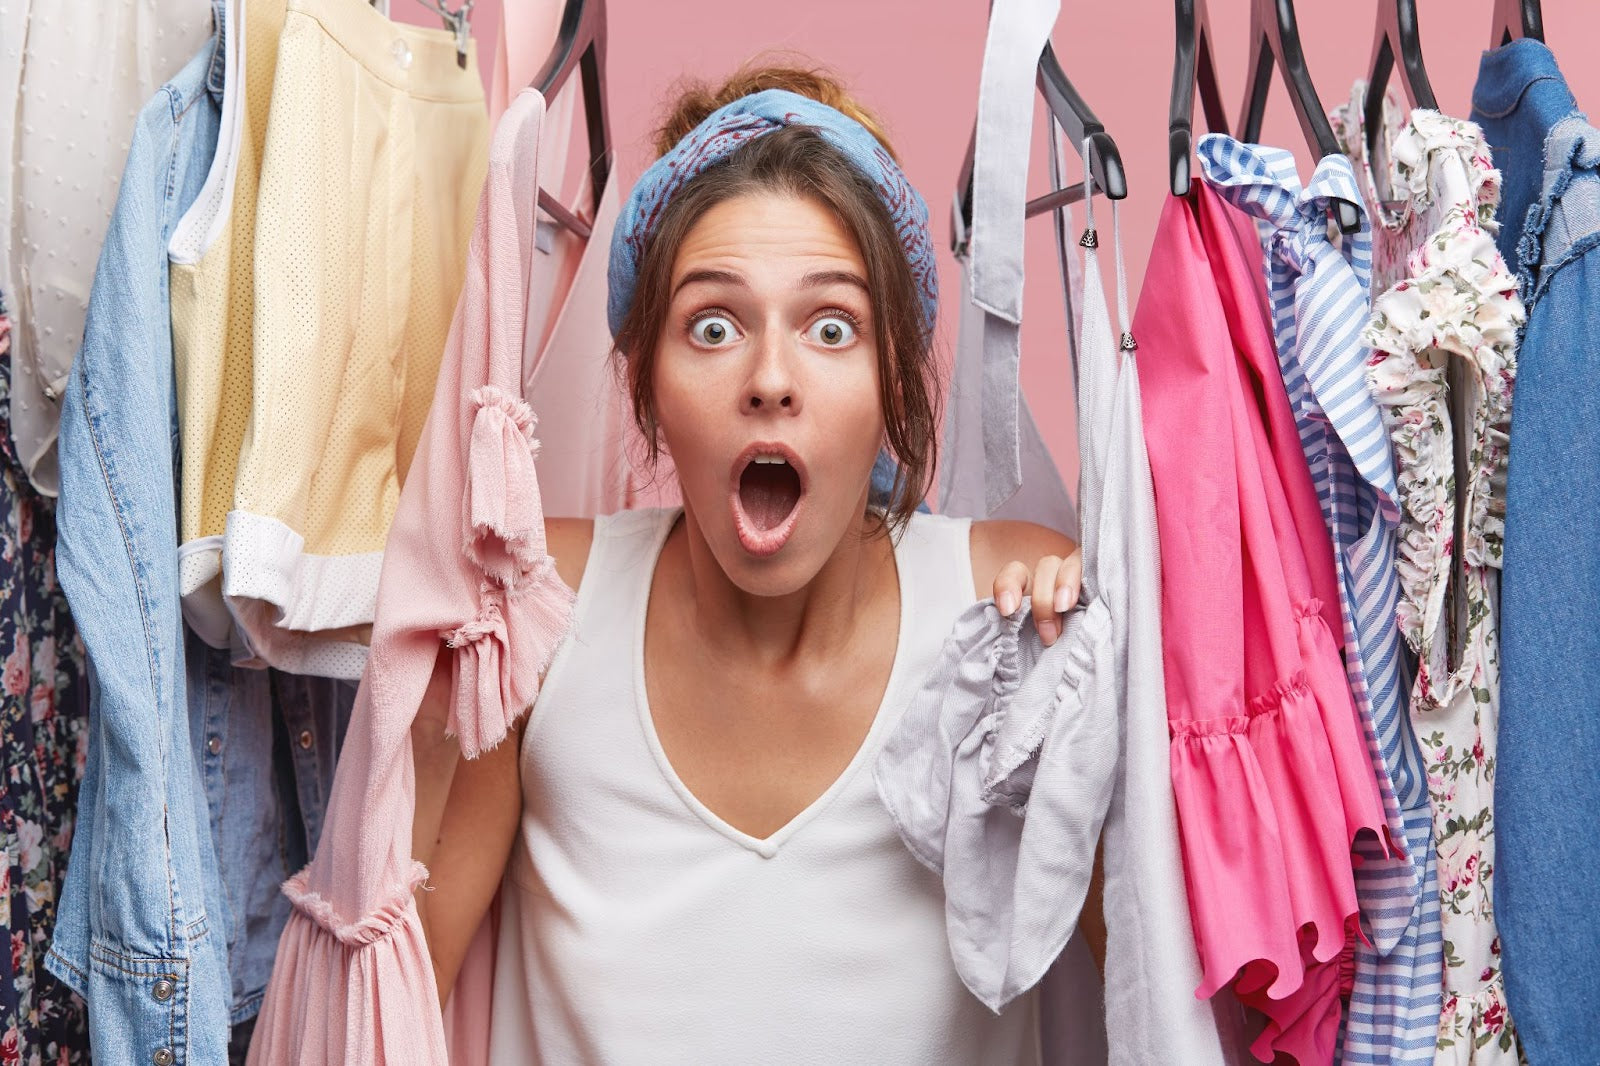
[697,100]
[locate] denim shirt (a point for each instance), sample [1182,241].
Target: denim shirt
[265,744]
[1547,789]
[135,934]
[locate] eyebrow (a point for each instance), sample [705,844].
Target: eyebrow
[815,279]
[715,277]
[818,278]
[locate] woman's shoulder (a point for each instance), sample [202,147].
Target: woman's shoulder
[572,542]
[996,542]
[568,541]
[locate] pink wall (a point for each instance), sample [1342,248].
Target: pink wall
[917,63]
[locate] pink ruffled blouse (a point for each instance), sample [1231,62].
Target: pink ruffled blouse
[466,568]
[1269,764]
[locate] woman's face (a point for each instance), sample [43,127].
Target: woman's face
[766,386]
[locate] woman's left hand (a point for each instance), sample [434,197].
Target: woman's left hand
[1054,583]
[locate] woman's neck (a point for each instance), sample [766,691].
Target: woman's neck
[817,619]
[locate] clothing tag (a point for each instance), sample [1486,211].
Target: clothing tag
[544,235]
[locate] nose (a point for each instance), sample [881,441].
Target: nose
[772,385]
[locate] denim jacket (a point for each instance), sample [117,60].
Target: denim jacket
[1547,789]
[205,784]
[135,933]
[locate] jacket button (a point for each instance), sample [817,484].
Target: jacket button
[163,990]
[163,1057]
[214,745]
[306,739]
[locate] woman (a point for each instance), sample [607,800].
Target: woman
[699,866]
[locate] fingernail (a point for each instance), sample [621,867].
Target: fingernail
[1008,602]
[1049,630]
[1064,597]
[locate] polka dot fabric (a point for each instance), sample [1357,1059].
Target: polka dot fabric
[73,75]
[212,280]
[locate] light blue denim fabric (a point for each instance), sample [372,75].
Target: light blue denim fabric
[265,744]
[228,769]
[137,933]
[1547,788]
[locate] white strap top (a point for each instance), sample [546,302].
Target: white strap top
[638,927]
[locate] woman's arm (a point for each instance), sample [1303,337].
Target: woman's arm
[466,821]
[468,810]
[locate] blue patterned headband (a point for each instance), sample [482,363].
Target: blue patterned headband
[718,137]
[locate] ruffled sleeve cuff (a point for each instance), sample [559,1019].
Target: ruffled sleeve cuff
[346,991]
[1271,887]
[524,608]
[1304,1027]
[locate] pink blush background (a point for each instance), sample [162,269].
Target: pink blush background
[917,64]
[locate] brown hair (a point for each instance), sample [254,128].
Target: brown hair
[798,161]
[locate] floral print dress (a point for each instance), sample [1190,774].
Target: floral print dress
[43,743]
[1443,334]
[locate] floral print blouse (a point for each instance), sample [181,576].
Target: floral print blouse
[1443,333]
[43,743]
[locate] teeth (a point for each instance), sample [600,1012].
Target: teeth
[771,460]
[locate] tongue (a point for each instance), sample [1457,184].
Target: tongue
[768,492]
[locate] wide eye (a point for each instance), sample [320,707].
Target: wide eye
[832,331]
[713,331]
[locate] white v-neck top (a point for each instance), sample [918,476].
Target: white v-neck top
[637,927]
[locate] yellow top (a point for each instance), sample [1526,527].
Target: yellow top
[313,327]
[212,281]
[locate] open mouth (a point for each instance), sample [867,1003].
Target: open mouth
[769,490]
[769,486]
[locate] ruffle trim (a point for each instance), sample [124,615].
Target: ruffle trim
[375,926]
[1272,889]
[1008,777]
[501,654]
[1303,1027]
[372,975]
[524,608]
[1476,1030]
[504,518]
[1419,143]
[1531,258]
[1461,300]
[1415,153]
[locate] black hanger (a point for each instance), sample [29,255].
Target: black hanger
[1078,122]
[581,45]
[1514,19]
[1192,66]
[1275,37]
[1397,35]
